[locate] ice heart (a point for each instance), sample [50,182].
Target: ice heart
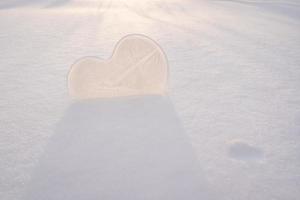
[138,66]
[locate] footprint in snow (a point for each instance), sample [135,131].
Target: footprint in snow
[241,150]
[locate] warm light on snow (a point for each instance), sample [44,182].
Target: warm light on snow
[234,82]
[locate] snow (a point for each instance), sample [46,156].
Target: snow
[234,87]
[127,148]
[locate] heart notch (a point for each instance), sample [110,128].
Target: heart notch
[138,66]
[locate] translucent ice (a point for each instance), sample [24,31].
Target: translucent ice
[138,66]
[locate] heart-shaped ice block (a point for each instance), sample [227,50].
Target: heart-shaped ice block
[138,66]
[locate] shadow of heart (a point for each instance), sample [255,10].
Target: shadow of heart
[123,148]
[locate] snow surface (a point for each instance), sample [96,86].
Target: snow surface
[234,87]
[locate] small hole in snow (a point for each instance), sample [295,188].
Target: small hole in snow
[243,151]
